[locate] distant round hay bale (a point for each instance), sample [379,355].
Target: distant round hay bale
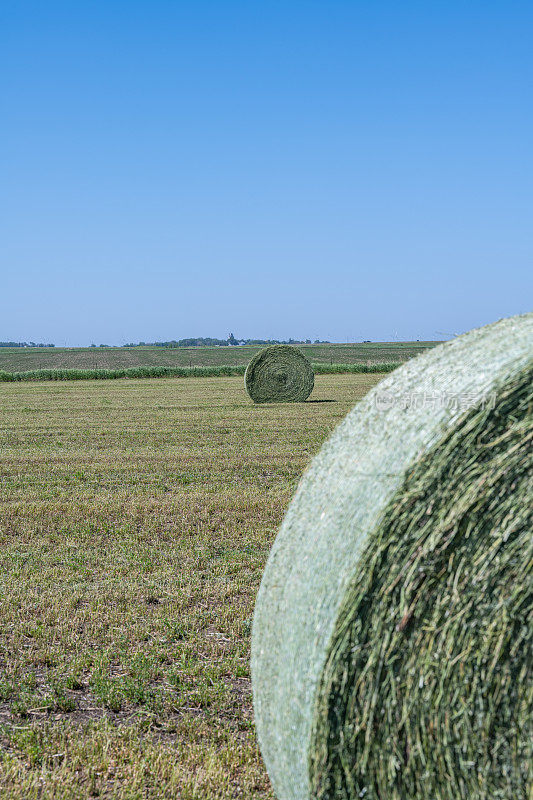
[279,374]
[391,646]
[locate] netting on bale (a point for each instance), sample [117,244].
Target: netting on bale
[391,647]
[279,374]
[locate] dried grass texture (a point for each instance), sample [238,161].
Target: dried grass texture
[279,374]
[389,649]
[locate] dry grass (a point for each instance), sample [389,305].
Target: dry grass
[135,520]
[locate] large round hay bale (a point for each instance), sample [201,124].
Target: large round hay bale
[279,374]
[391,652]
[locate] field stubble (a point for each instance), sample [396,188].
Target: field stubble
[135,521]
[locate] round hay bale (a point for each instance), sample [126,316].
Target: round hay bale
[279,374]
[391,651]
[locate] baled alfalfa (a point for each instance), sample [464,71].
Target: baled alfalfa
[391,646]
[279,374]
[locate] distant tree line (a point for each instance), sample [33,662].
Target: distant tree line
[203,341]
[25,344]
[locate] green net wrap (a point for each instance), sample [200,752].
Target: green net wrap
[391,647]
[279,374]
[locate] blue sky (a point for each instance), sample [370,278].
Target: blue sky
[335,170]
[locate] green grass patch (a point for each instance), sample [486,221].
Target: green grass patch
[223,371]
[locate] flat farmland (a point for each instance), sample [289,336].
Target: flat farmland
[22,359]
[135,521]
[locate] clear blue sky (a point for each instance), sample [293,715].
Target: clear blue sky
[341,170]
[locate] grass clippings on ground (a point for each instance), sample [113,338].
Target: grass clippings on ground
[135,521]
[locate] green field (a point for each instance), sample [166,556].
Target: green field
[20,359]
[135,521]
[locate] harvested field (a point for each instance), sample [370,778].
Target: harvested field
[135,521]
[19,359]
